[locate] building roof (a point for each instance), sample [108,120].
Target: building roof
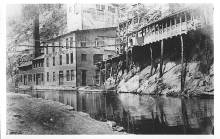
[160,19]
[84,30]
[39,57]
[25,64]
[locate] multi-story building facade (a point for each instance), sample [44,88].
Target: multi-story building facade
[69,60]
[91,16]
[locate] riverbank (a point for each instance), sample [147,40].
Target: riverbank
[27,115]
[197,83]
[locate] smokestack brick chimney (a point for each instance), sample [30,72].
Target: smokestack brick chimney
[36,35]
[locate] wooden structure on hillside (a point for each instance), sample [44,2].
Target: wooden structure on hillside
[170,33]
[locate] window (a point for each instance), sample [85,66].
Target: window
[42,77]
[111,9]
[71,42]
[97,76]
[83,44]
[97,6]
[47,62]
[21,78]
[60,59]
[97,58]
[172,21]
[72,75]
[102,7]
[109,56]
[71,58]
[67,75]
[183,18]
[67,58]
[48,76]
[60,48]
[54,61]
[83,57]
[25,79]
[177,20]
[188,16]
[30,78]
[53,47]
[54,76]
[34,77]
[47,49]
[67,44]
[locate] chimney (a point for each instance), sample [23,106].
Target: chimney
[36,35]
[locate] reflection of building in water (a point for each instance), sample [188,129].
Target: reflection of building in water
[70,99]
[142,114]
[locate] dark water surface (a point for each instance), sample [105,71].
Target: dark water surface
[141,114]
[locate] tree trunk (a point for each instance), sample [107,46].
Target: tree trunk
[151,60]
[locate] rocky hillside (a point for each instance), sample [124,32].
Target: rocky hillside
[197,83]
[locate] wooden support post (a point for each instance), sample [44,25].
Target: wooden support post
[151,60]
[105,71]
[111,69]
[182,64]
[161,59]
[126,57]
[100,75]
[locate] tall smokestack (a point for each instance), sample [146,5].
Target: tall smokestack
[36,34]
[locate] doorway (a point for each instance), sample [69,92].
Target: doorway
[60,77]
[83,77]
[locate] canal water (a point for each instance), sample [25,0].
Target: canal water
[141,114]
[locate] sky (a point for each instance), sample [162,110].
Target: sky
[13,10]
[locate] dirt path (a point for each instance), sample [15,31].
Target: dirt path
[27,115]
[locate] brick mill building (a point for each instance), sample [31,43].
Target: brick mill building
[68,60]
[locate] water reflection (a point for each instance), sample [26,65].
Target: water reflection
[141,114]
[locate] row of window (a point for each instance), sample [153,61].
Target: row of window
[101,7]
[29,77]
[70,74]
[69,60]
[69,44]
[96,57]
[38,64]
[166,23]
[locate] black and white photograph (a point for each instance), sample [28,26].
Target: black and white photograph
[110,69]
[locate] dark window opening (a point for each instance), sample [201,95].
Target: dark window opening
[97,58]
[67,58]
[177,20]
[54,76]
[47,49]
[72,75]
[71,42]
[54,61]
[47,61]
[83,44]
[67,75]
[48,76]
[71,58]
[67,44]
[83,57]
[60,59]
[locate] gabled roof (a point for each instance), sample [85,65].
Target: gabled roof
[25,64]
[39,57]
